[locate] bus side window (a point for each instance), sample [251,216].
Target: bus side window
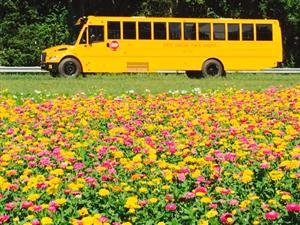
[129,31]
[145,30]
[248,33]
[219,31]
[114,30]
[189,31]
[96,34]
[83,37]
[264,32]
[175,31]
[204,31]
[233,32]
[160,31]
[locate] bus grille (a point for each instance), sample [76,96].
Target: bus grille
[43,57]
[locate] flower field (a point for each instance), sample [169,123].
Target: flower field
[229,157]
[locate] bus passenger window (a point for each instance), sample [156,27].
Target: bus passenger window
[113,30]
[233,32]
[175,31]
[189,31]
[248,33]
[129,31]
[204,31]
[145,30]
[96,34]
[83,37]
[219,31]
[264,32]
[160,31]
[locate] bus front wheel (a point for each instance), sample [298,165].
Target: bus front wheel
[69,67]
[212,67]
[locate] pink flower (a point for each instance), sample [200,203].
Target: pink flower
[293,207]
[78,166]
[170,207]
[103,219]
[35,222]
[4,218]
[226,218]
[264,165]
[213,205]
[10,206]
[181,177]
[200,189]
[272,215]
[37,208]
[143,202]
[225,191]
[26,205]
[189,195]
[233,202]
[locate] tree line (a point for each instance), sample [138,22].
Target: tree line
[27,27]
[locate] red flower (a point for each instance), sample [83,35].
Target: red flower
[293,207]
[226,218]
[273,215]
[171,207]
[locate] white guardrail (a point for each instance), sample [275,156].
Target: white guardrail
[37,69]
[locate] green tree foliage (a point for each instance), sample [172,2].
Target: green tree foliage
[27,27]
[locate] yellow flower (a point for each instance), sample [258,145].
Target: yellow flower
[153,200]
[211,213]
[203,222]
[127,223]
[205,200]
[88,220]
[60,201]
[286,197]
[83,211]
[33,197]
[276,175]
[57,172]
[46,220]
[143,190]
[103,192]
[132,203]
[161,223]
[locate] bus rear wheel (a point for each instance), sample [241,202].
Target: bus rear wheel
[212,67]
[69,67]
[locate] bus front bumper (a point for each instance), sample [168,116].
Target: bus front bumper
[51,67]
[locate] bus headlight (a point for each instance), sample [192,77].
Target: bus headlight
[53,58]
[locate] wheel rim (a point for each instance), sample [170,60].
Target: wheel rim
[70,68]
[212,70]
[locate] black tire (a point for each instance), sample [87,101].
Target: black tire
[69,67]
[194,74]
[212,67]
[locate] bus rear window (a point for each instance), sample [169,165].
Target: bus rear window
[248,34]
[114,30]
[160,31]
[175,31]
[189,31]
[264,32]
[233,32]
[145,30]
[204,31]
[219,31]
[129,31]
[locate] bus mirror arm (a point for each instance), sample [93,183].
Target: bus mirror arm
[107,45]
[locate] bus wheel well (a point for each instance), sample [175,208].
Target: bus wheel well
[71,56]
[69,66]
[213,67]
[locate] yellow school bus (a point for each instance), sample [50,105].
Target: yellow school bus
[199,46]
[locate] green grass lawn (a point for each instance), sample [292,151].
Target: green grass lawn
[113,84]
